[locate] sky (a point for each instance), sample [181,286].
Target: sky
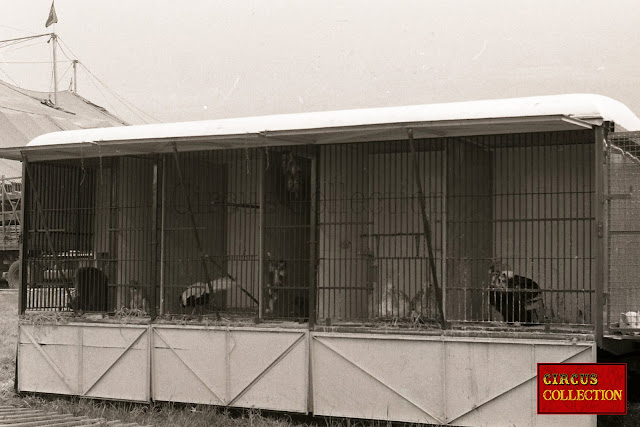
[208,59]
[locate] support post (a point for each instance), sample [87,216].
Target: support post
[54,41]
[4,220]
[426,229]
[163,199]
[261,269]
[24,237]
[600,231]
[75,76]
[154,239]
[313,240]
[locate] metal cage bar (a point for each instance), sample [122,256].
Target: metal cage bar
[622,234]
[329,233]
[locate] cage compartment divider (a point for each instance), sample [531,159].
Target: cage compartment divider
[600,200]
[163,199]
[22,294]
[4,225]
[426,228]
[38,207]
[261,270]
[313,253]
[203,256]
[154,240]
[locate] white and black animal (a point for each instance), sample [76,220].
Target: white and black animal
[91,289]
[276,276]
[516,297]
[196,296]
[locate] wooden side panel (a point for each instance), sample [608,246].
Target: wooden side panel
[102,361]
[48,359]
[115,363]
[457,381]
[266,369]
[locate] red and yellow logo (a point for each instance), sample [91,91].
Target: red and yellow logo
[582,388]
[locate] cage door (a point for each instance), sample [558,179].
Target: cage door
[623,304]
[286,229]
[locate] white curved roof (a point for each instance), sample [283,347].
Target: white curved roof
[540,113]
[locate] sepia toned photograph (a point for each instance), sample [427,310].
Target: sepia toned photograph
[340,213]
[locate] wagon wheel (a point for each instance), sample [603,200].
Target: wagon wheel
[13,276]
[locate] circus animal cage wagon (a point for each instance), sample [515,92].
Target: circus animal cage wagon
[333,263]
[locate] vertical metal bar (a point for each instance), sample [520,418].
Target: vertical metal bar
[163,199]
[607,250]
[4,222]
[313,190]
[261,221]
[426,228]
[586,213]
[154,241]
[598,230]
[24,238]
[444,218]
[114,234]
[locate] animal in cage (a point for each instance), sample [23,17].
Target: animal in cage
[423,305]
[630,320]
[517,298]
[291,171]
[91,289]
[196,296]
[276,275]
[394,302]
[138,298]
[300,304]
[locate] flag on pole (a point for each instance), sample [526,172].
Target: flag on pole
[53,18]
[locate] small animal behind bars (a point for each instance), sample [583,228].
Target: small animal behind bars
[394,302]
[138,297]
[517,298]
[277,273]
[196,296]
[91,289]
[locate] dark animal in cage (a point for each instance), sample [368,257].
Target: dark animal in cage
[196,296]
[516,297]
[276,274]
[91,290]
